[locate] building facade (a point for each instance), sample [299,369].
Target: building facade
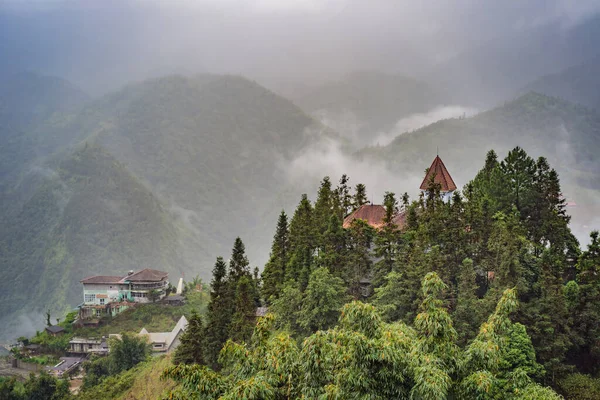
[110,295]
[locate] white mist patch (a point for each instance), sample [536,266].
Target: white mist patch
[344,122]
[419,120]
[328,158]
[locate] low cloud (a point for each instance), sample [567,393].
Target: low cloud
[328,157]
[416,121]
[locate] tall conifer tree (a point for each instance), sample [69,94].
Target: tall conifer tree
[191,347]
[219,313]
[273,275]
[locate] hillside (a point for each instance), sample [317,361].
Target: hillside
[162,174]
[88,215]
[578,84]
[212,148]
[567,134]
[368,102]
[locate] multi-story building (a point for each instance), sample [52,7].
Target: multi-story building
[109,295]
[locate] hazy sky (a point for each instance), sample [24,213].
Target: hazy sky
[93,42]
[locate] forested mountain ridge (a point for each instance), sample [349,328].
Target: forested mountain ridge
[198,155]
[487,295]
[87,215]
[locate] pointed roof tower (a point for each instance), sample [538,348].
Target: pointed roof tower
[441,176]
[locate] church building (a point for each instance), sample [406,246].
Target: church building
[373,214]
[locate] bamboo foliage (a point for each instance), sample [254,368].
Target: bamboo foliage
[365,358]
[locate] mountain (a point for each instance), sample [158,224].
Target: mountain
[162,174]
[368,102]
[578,84]
[88,215]
[566,133]
[213,148]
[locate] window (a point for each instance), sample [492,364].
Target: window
[98,313]
[90,298]
[90,346]
[102,301]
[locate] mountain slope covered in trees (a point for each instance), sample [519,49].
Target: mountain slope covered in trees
[209,153]
[87,215]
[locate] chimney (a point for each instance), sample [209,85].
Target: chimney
[130,273]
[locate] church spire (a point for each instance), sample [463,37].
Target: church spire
[441,176]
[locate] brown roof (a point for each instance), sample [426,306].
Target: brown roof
[101,279]
[441,177]
[146,275]
[373,215]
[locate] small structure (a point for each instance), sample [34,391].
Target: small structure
[67,366]
[165,342]
[175,300]
[32,349]
[440,176]
[179,286]
[110,295]
[88,346]
[55,330]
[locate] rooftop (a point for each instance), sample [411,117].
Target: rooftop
[144,275]
[167,338]
[55,329]
[440,175]
[101,279]
[373,215]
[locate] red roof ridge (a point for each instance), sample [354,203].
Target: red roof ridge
[373,214]
[440,175]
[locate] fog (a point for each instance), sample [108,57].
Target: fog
[419,120]
[469,55]
[100,45]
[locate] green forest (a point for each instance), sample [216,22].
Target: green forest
[486,296]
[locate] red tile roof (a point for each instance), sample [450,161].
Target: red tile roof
[373,215]
[441,177]
[101,279]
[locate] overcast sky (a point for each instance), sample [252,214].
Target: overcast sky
[95,41]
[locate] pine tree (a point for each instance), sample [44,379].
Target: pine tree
[242,321]
[239,265]
[191,347]
[302,243]
[324,207]
[386,240]
[334,251]
[219,313]
[360,196]
[273,275]
[519,172]
[359,264]
[344,199]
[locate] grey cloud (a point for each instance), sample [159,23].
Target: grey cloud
[102,44]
